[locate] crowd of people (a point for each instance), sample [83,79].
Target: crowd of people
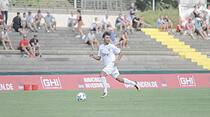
[198,22]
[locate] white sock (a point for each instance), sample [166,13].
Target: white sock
[126,81]
[103,79]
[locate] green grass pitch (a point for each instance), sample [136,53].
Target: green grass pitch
[186,102]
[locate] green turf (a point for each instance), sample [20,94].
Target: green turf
[188,102]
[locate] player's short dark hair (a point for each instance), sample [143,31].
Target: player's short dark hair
[18,13]
[105,33]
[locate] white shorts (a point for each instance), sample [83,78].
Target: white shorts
[111,70]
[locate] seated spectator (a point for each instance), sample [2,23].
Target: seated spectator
[190,28]
[92,39]
[195,12]
[72,20]
[124,40]
[23,21]
[112,35]
[136,23]
[119,23]
[198,28]
[50,22]
[160,23]
[5,39]
[34,42]
[24,46]
[208,19]
[127,23]
[38,18]
[168,23]
[16,23]
[179,28]
[106,22]
[96,25]
[30,22]
[141,25]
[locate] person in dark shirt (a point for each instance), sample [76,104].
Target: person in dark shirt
[34,42]
[136,22]
[132,10]
[16,23]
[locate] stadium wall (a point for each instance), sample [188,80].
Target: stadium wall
[93,81]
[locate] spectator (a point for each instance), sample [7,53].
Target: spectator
[208,19]
[132,10]
[119,22]
[23,21]
[72,20]
[34,42]
[50,22]
[124,40]
[30,22]
[127,23]
[106,22]
[160,23]
[190,28]
[5,39]
[198,28]
[114,37]
[92,39]
[24,46]
[16,23]
[79,26]
[2,22]
[195,12]
[168,23]
[4,9]
[96,25]
[136,23]
[179,28]
[38,18]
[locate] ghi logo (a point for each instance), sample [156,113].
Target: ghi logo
[51,83]
[186,81]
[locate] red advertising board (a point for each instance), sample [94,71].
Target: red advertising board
[93,81]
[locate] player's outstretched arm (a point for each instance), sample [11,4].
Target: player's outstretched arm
[95,57]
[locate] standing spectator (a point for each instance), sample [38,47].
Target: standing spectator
[30,23]
[119,22]
[34,42]
[106,22]
[80,23]
[190,28]
[72,20]
[132,10]
[38,18]
[4,9]
[92,39]
[198,28]
[24,46]
[160,23]
[5,39]
[96,25]
[16,23]
[50,22]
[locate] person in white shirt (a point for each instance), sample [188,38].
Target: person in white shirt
[72,20]
[92,39]
[106,23]
[107,52]
[30,22]
[23,21]
[96,25]
[4,9]
[5,39]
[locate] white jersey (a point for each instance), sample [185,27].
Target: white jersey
[107,52]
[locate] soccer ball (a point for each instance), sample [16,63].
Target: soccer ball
[81,97]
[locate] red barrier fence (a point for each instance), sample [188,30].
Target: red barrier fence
[93,81]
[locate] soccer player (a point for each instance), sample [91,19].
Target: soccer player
[107,52]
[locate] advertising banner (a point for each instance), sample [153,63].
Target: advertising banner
[93,81]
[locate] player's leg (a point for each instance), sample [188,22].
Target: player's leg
[103,79]
[116,75]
